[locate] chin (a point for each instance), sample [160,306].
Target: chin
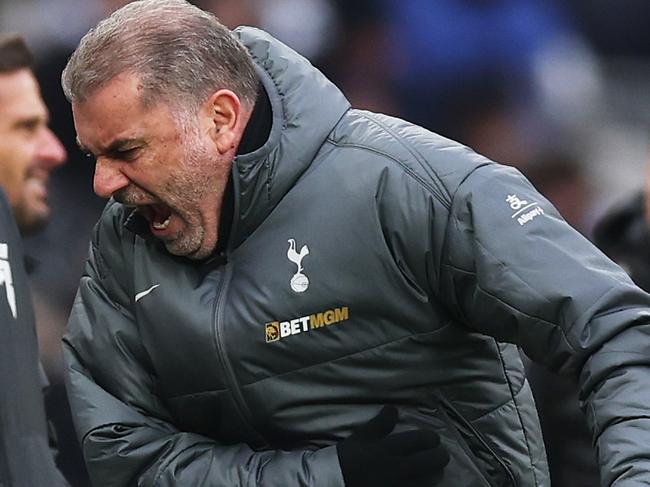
[31,223]
[199,254]
[194,246]
[180,251]
[32,227]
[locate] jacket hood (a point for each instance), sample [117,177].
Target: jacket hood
[306,106]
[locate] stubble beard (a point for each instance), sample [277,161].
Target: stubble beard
[187,191]
[28,221]
[31,211]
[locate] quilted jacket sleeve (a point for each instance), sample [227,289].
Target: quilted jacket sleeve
[512,268]
[127,434]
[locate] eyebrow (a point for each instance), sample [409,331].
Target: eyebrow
[116,146]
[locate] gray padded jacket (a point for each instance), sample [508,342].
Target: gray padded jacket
[369,262]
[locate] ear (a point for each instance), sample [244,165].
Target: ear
[225,110]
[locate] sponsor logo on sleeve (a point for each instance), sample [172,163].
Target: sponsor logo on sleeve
[524,211]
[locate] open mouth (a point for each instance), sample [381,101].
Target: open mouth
[158,215]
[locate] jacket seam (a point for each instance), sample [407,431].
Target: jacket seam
[415,153]
[516,404]
[342,357]
[431,189]
[188,394]
[101,290]
[601,315]
[497,407]
[563,331]
[537,318]
[450,219]
[165,465]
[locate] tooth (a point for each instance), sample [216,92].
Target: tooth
[161,226]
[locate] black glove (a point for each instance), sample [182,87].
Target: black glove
[373,457]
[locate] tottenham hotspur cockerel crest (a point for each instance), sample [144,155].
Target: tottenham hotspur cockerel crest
[299,281]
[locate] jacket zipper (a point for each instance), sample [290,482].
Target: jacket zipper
[231,379]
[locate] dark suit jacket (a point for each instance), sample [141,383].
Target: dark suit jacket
[25,457]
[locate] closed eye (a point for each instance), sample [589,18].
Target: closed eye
[124,154]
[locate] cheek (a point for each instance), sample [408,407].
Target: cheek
[15,161]
[12,182]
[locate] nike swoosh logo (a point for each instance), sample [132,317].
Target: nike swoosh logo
[142,294]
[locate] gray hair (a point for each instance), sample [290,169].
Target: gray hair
[179,52]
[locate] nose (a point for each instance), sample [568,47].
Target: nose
[108,178]
[50,151]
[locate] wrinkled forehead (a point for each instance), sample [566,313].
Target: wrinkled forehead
[118,99]
[124,85]
[116,112]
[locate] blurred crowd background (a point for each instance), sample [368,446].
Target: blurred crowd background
[557,88]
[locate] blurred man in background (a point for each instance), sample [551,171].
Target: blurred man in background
[624,235]
[28,149]
[28,152]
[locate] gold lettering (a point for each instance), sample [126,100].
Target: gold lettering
[341,314]
[316,320]
[329,317]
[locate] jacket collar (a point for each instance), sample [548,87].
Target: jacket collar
[306,106]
